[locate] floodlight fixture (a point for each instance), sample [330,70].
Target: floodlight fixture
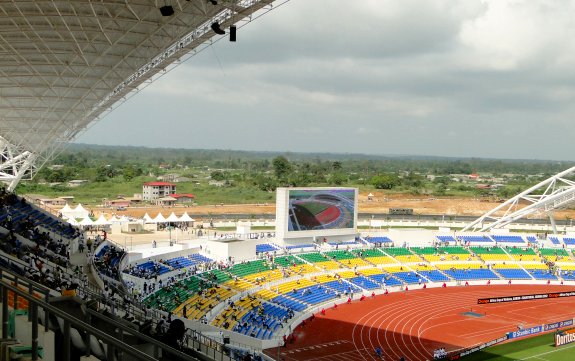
[167,10]
[217,29]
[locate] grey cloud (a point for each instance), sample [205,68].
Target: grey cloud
[379,77]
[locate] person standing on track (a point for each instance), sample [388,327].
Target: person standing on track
[379,353]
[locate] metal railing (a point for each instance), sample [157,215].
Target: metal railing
[38,296]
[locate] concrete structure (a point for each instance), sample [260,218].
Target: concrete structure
[165,201]
[223,249]
[155,190]
[184,198]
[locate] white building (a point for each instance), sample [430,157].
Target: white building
[155,190]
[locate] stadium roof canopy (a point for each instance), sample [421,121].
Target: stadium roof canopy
[65,64]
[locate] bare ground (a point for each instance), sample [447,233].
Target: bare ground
[380,203]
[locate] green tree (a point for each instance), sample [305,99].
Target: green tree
[441,189]
[338,178]
[385,181]
[413,180]
[265,183]
[105,172]
[57,175]
[217,175]
[282,167]
[128,172]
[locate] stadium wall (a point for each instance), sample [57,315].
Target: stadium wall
[412,236]
[177,250]
[222,249]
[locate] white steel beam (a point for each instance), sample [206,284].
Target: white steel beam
[556,192]
[14,164]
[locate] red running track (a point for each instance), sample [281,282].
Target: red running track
[414,323]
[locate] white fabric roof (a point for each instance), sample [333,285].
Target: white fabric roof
[147,218]
[159,218]
[173,218]
[86,222]
[101,221]
[80,209]
[186,218]
[78,212]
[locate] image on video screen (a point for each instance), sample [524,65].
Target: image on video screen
[321,209]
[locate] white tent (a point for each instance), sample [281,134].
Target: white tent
[159,218]
[173,218]
[67,212]
[80,212]
[86,222]
[72,221]
[114,219]
[186,218]
[101,221]
[147,218]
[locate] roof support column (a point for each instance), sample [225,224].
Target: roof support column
[553,224]
[14,164]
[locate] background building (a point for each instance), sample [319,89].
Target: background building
[155,190]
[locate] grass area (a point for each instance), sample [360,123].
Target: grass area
[93,193]
[433,228]
[253,228]
[240,192]
[533,348]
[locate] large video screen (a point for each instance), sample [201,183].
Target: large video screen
[321,209]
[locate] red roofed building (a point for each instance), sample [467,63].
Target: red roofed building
[155,190]
[183,198]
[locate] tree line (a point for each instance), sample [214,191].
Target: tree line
[265,171]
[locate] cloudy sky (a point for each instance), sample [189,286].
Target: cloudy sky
[482,78]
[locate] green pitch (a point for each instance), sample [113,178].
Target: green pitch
[314,208]
[540,348]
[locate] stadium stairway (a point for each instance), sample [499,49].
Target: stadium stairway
[523,268]
[442,273]
[80,259]
[302,260]
[494,270]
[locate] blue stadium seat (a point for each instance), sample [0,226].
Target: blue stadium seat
[513,273]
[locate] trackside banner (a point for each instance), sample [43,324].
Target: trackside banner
[556,325]
[525,332]
[538,296]
[478,348]
[564,337]
[561,337]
